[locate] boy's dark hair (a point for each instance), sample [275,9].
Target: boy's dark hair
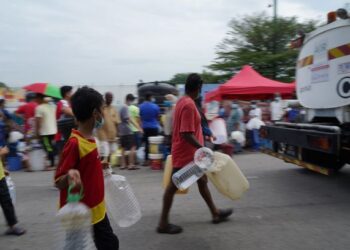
[65,89]
[193,83]
[84,101]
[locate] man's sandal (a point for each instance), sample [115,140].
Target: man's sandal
[170,229]
[223,215]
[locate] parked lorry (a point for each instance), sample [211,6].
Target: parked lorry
[322,142]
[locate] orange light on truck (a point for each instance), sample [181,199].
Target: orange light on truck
[331,16]
[319,142]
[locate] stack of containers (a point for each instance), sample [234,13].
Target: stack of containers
[156,154]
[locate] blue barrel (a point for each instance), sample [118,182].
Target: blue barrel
[14,163]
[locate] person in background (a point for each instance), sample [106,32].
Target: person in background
[225,110]
[80,165]
[255,110]
[135,120]
[149,112]
[46,127]
[235,119]
[207,133]
[63,111]
[27,113]
[127,137]
[5,122]
[169,104]
[6,202]
[187,138]
[276,109]
[253,127]
[108,133]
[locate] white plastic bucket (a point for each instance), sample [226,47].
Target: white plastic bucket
[155,156]
[155,141]
[37,159]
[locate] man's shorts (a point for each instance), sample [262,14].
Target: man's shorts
[106,148]
[127,141]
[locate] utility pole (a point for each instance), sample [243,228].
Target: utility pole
[274,73]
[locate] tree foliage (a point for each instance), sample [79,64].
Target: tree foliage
[261,42]
[207,77]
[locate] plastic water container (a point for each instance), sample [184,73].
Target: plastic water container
[75,220]
[140,155]
[155,144]
[156,161]
[186,176]
[12,189]
[37,156]
[14,163]
[122,205]
[218,127]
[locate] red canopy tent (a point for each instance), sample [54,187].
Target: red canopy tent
[250,85]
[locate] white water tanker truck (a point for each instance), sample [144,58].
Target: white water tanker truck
[322,142]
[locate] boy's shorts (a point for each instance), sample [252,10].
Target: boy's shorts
[127,141]
[104,237]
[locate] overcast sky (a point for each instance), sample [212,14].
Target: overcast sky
[122,41]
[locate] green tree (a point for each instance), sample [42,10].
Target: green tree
[263,43]
[207,77]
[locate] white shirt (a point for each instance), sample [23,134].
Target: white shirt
[255,123]
[47,113]
[276,111]
[256,112]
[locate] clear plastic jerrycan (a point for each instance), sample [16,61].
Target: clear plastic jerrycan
[121,202]
[75,220]
[186,176]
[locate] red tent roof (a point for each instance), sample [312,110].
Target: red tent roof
[250,85]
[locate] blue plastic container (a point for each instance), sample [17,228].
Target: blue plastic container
[14,163]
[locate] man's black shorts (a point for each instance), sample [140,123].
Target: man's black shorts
[127,141]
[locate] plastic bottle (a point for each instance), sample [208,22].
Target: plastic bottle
[121,202]
[75,220]
[185,177]
[12,189]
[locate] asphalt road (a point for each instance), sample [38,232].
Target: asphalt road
[287,207]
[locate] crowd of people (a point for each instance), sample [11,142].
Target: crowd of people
[78,152]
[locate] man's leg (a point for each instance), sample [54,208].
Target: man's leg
[47,143]
[164,226]
[206,195]
[104,237]
[145,139]
[219,215]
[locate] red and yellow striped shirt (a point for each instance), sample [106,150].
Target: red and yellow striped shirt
[81,154]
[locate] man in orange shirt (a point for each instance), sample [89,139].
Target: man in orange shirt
[187,138]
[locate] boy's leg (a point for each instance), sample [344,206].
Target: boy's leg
[6,204]
[104,237]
